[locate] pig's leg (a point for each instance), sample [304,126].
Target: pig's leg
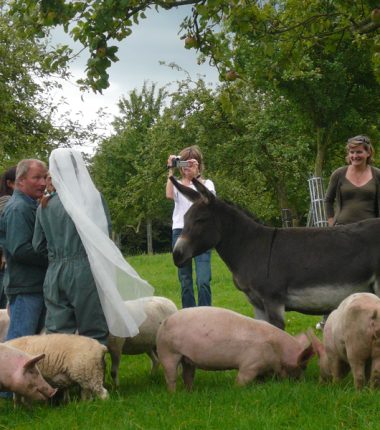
[170,364]
[375,373]
[115,350]
[188,372]
[358,371]
[155,362]
[247,374]
[338,368]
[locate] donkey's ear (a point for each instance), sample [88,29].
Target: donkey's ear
[188,192]
[206,194]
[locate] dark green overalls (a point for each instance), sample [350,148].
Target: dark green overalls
[71,297]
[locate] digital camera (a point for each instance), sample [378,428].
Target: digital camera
[177,162]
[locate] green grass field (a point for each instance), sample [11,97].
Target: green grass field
[142,401]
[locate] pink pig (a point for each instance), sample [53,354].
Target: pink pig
[351,339]
[19,373]
[212,338]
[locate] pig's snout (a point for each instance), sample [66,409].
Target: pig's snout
[45,393]
[51,392]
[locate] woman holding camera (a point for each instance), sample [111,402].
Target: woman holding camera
[192,169]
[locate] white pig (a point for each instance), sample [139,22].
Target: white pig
[351,339]
[156,309]
[19,373]
[212,338]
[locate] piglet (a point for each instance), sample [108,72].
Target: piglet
[212,338]
[351,339]
[19,373]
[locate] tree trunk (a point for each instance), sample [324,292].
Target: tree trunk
[116,238]
[149,238]
[323,141]
[283,201]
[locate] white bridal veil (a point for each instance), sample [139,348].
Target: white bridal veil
[115,279]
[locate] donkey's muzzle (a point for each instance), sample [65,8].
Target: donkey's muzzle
[181,254]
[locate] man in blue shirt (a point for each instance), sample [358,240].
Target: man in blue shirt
[26,269]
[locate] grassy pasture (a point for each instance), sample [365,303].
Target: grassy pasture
[142,401]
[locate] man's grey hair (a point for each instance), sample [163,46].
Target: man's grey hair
[23,167]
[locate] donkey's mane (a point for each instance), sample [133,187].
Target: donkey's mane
[244,210]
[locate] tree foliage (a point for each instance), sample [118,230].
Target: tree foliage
[124,166]
[209,28]
[298,78]
[24,119]
[254,154]
[30,125]
[334,87]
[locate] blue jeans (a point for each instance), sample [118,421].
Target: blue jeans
[203,274]
[27,315]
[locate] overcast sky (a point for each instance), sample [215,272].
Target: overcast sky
[155,39]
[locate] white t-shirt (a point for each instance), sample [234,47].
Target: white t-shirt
[182,204]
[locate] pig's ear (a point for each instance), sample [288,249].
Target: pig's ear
[305,355]
[33,361]
[318,346]
[303,339]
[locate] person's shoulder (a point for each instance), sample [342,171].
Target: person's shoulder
[3,201]
[376,171]
[209,184]
[339,171]
[5,198]
[19,203]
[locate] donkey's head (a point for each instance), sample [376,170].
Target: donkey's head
[200,231]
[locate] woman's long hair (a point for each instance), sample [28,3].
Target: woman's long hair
[8,175]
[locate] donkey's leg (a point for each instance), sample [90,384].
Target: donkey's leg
[276,314]
[258,307]
[260,314]
[376,286]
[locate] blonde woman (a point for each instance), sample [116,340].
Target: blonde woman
[353,191]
